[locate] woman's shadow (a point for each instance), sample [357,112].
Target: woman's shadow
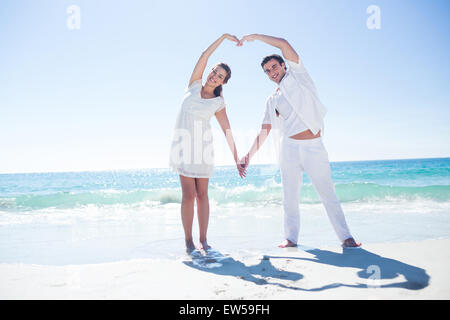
[373,269]
[228,266]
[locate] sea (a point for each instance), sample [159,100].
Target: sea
[67,218]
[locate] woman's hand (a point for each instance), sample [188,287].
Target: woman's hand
[231,38]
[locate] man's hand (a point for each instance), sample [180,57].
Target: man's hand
[249,37]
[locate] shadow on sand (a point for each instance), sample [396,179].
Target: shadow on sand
[372,266]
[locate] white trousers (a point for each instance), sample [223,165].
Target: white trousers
[309,156]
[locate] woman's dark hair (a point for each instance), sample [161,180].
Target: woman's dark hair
[218,90]
[273,56]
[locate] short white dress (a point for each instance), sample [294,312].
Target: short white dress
[192,153]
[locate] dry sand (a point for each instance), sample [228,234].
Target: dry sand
[412,270]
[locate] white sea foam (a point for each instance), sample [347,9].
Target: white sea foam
[90,233]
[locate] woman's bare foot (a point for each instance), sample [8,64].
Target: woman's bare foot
[190,246]
[287,243]
[350,243]
[204,245]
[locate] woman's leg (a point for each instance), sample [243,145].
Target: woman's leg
[201,185]
[187,209]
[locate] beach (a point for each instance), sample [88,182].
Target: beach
[118,235]
[101,102]
[406,270]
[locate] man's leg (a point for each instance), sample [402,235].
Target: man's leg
[291,178]
[317,167]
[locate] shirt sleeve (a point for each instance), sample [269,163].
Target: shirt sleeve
[221,104]
[301,75]
[266,119]
[296,67]
[195,85]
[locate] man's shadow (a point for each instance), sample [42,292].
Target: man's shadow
[373,269]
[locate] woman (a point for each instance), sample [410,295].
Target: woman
[192,153]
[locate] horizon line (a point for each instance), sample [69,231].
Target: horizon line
[218,166]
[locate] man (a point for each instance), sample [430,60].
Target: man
[297,112]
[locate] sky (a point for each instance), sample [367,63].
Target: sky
[105,94]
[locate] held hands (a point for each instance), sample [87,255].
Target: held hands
[241,169]
[242,165]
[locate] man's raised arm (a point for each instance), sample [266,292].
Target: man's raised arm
[286,49]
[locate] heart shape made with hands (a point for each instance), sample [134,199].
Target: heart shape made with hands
[244,162]
[240,42]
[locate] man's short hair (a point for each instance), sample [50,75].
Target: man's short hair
[273,56]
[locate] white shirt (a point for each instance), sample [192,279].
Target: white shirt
[298,91]
[292,124]
[291,121]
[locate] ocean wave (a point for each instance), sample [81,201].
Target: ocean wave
[99,198]
[247,195]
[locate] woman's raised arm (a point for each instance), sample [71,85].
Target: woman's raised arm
[197,74]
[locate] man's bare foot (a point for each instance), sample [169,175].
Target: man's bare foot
[204,245]
[350,243]
[286,244]
[190,246]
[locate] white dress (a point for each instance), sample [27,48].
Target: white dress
[191,153]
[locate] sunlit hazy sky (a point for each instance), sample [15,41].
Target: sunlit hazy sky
[105,96]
